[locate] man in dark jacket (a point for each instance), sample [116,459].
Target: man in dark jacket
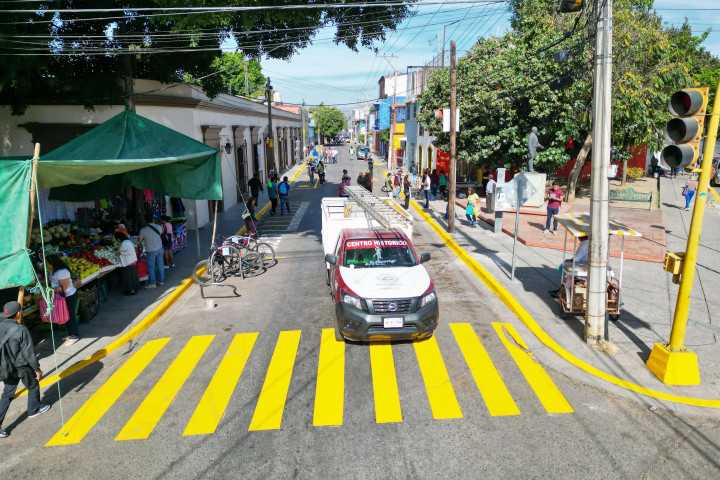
[255,185]
[19,353]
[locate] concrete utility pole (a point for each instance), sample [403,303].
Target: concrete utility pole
[271,156]
[453,153]
[599,190]
[391,153]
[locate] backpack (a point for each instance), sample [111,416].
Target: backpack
[165,238]
[6,367]
[283,188]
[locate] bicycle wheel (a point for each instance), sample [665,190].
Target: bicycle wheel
[207,274]
[266,253]
[252,264]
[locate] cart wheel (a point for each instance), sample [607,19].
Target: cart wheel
[614,317]
[563,297]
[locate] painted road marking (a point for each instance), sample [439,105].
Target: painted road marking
[148,414]
[330,386]
[385,389]
[297,218]
[271,404]
[100,402]
[546,391]
[214,401]
[439,390]
[487,378]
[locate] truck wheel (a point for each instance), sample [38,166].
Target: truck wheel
[338,335]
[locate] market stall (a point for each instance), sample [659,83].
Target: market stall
[124,155]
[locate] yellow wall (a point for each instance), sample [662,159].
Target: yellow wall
[399,132]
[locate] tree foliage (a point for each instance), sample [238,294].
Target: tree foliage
[72,56]
[505,84]
[329,121]
[231,67]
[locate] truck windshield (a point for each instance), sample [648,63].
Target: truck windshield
[368,253]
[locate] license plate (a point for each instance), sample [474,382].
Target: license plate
[393,322]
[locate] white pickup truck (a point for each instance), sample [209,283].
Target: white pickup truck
[380,288]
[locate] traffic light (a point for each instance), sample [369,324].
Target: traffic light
[685,130]
[570,6]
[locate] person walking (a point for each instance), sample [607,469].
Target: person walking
[344,183]
[128,261]
[389,186]
[61,282]
[406,190]
[554,198]
[434,184]
[311,172]
[152,242]
[19,363]
[272,195]
[472,199]
[371,164]
[426,182]
[490,194]
[167,233]
[442,184]
[397,183]
[255,185]
[250,217]
[321,172]
[284,194]
[689,190]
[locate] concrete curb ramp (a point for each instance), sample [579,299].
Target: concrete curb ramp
[544,338]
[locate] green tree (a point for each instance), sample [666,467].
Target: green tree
[232,67]
[81,56]
[506,85]
[328,121]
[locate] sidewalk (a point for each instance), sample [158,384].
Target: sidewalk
[120,313]
[648,295]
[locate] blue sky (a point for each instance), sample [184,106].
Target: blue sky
[333,74]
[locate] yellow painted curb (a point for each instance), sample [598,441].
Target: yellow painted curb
[507,298]
[143,325]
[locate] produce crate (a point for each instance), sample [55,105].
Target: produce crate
[89,303]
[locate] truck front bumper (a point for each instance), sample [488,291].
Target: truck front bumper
[359,325]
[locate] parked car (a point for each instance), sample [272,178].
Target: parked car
[380,287]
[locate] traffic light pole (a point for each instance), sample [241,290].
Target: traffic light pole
[599,189]
[673,363]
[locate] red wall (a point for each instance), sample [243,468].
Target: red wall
[638,159]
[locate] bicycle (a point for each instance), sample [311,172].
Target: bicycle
[250,244]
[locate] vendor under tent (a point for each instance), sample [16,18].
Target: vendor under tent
[126,151]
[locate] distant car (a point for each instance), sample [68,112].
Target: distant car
[362,152]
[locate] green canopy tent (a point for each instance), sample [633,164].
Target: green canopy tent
[127,150]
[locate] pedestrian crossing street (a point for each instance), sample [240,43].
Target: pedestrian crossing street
[330,383]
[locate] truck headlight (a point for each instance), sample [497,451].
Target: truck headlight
[351,300]
[427,299]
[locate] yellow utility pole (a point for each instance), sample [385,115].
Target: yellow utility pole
[672,363]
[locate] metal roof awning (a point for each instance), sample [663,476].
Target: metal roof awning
[578,225]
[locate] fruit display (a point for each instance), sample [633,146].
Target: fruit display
[89,255]
[79,267]
[58,234]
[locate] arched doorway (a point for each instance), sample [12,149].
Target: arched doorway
[420,159]
[430,157]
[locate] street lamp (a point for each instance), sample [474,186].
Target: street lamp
[228,147]
[268,96]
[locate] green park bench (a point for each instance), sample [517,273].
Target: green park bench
[630,195]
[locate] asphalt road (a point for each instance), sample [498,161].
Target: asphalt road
[249,389]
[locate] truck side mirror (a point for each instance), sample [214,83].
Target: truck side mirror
[331,259]
[424,257]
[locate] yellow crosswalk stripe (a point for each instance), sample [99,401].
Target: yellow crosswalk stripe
[439,390]
[546,391]
[330,387]
[100,402]
[487,378]
[385,389]
[148,414]
[215,399]
[271,404]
